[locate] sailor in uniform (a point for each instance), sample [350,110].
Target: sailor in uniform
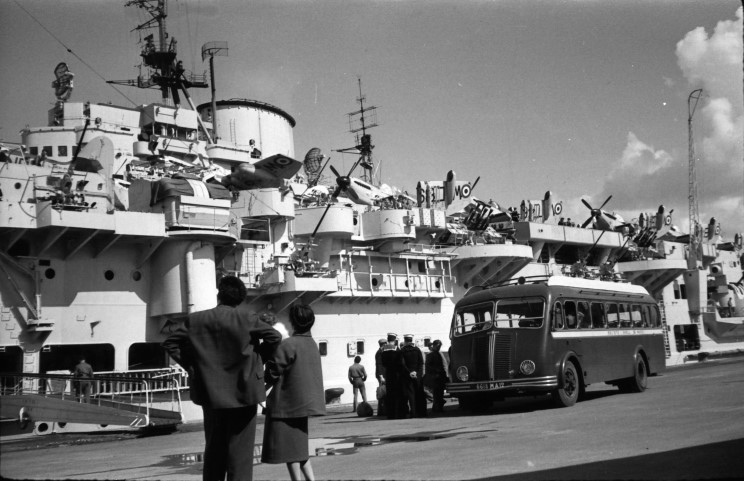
[380,375]
[414,398]
[392,362]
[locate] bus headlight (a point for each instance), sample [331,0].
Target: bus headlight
[527,367]
[462,373]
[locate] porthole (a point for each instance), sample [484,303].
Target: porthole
[374,282]
[49,273]
[109,275]
[17,185]
[136,275]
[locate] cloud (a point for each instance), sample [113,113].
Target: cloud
[714,63]
[645,177]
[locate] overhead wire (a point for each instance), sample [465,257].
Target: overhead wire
[72,52]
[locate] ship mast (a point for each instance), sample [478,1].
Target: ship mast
[359,121]
[168,73]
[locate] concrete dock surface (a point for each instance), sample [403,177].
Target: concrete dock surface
[689,424]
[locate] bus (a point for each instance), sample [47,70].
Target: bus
[553,335]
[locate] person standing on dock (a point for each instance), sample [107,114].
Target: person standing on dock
[393,363]
[412,377]
[83,380]
[435,375]
[357,377]
[295,373]
[380,375]
[222,350]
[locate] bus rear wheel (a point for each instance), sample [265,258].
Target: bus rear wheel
[568,394]
[639,381]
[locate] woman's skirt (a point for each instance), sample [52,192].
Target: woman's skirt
[285,440]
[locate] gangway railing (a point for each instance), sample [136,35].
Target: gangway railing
[144,399]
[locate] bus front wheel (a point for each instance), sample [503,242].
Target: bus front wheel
[639,381]
[568,394]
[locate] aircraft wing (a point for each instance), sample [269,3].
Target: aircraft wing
[279,166]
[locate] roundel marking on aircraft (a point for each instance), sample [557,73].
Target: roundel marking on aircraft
[465,191]
[718,229]
[558,208]
[283,161]
[668,220]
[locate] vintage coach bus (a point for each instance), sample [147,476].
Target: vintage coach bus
[554,335]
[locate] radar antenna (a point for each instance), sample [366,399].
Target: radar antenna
[359,121]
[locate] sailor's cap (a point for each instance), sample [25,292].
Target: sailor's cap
[392,336]
[407,336]
[382,341]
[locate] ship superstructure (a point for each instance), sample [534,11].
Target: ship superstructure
[115,223]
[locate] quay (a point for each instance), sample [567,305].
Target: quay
[689,424]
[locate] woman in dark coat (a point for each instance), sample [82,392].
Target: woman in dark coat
[295,373]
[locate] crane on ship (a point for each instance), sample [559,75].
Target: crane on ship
[694,213]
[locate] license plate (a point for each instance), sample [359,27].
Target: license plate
[489,385]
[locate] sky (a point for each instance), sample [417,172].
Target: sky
[583,98]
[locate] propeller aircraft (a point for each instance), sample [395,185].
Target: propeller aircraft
[266,173]
[603,220]
[447,191]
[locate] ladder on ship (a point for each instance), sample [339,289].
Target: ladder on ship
[667,347]
[117,399]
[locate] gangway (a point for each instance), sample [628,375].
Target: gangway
[116,399]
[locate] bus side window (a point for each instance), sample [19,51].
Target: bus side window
[635,315]
[612,318]
[624,313]
[570,309]
[557,316]
[653,317]
[585,320]
[598,316]
[463,322]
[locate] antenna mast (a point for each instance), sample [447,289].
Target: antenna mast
[359,121]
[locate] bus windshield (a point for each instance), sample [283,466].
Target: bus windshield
[473,318]
[523,312]
[510,313]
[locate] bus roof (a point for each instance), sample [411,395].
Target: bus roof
[556,281]
[565,281]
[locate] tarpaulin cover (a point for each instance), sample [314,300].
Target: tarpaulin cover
[170,187]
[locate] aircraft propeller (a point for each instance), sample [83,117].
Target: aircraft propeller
[595,213]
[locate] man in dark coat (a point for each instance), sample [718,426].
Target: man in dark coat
[435,375]
[412,377]
[393,364]
[380,375]
[221,348]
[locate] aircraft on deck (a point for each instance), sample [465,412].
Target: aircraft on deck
[270,172]
[603,220]
[447,191]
